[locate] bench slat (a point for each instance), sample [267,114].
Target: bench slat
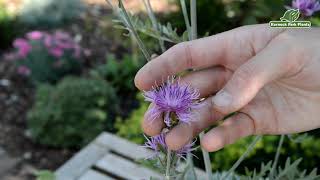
[94,175]
[81,162]
[122,146]
[125,168]
[99,153]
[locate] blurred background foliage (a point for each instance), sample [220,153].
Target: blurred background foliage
[71,111]
[120,73]
[222,15]
[49,13]
[7,27]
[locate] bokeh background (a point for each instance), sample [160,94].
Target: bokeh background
[66,75]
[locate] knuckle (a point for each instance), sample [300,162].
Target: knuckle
[295,54]
[289,41]
[186,50]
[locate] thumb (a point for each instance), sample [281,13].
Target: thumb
[269,64]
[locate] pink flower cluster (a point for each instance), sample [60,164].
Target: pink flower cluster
[60,42]
[57,45]
[23,47]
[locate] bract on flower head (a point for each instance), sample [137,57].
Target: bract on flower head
[174,101]
[156,144]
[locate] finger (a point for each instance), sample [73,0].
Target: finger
[152,126]
[270,64]
[207,81]
[232,129]
[184,133]
[231,47]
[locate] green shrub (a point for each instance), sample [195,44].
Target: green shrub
[130,128]
[50,12]
[72,113]
[266,149]
[119,73]
[45,175]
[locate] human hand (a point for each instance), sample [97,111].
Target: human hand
[271,76]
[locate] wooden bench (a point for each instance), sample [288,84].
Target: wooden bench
[109,157]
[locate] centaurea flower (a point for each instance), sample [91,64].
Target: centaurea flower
[158,144]
[306,7]
[174,100]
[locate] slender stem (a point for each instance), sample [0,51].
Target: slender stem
[186,18]
[135,50]
[244,155]
[194,26]
[134,32]
[154,22]
[162,163]
[168,165]
[190,162]
[207,161]
[110,3]
[276,158]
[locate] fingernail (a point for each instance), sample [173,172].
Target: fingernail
[222,99]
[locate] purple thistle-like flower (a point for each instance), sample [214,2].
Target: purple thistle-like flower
[155,143]
[173,100]
[306,7]
[158,144]
[182,153]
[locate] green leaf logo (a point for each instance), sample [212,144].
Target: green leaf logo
[290,15]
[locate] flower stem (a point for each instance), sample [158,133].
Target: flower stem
[186,17]
[194,35]
[131,28]
[244,155]
[190,162]
[276,158]
[154,22]
[168,165]
[194,26]
[206,158]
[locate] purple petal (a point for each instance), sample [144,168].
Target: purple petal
[173,97]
